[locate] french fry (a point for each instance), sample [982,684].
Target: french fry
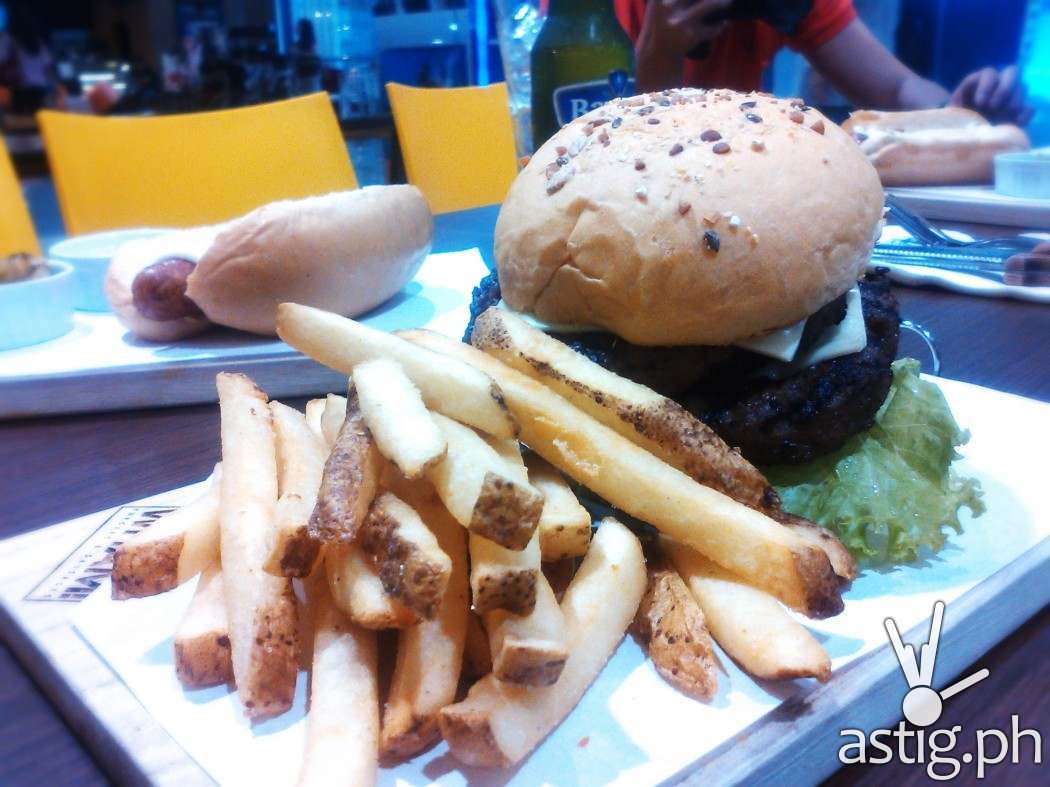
[502,578]
[485,492]
[397,418]
[350,478]
[844,564]
[659,425]
[429,654]
[499,723]
[202,640]
[741,539]
[646,418]
[342,725]
[300,463]
[314,413]
[358,591]
[332,417]
[411,565]
[565,525]
[529,649]
[452,389]
[671,625]
[509,450]
[260,607]
[175,548]
[751,626]
[477,655]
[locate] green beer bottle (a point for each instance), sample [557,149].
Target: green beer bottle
[580,59]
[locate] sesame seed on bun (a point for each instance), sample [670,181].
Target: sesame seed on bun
[688,217]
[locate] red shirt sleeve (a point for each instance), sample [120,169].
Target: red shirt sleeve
[825,20]
[630,13]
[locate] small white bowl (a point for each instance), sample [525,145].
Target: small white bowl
[1025,175]
[90,255]
[37,310]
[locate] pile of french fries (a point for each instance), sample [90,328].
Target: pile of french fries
[408,504]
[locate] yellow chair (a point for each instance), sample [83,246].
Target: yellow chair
[16,226]
[457,143]
[183,170]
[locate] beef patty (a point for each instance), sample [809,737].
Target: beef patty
[773,413]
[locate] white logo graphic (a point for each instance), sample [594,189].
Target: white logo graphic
[923,704]
[921,743]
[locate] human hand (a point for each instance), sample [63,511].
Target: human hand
[676,27]
[998,95]
[1030,269]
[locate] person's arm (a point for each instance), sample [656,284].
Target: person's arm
[672,28]
[870,76]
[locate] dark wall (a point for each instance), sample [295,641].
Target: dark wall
[946,39]
[59,14]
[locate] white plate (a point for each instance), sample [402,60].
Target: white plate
[631,728]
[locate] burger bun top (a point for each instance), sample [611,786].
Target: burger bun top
[688,217]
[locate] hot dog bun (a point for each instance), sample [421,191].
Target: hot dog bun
[933,147]
[345,252]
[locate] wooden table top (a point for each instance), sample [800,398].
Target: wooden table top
[59,468]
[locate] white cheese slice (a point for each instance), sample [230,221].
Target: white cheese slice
[554,327]
[781,344]
[849,336]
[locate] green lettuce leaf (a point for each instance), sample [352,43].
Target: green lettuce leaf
[890,491]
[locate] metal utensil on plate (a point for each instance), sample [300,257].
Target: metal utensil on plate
[928,234]
[1024,269]
[1018,261]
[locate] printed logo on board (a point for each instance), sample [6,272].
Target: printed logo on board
[572,101]
[922,707]
[90,563]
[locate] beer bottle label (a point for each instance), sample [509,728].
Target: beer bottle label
[572,101]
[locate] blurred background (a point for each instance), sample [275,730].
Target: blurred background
[162,56]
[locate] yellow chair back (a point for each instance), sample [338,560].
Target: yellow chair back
[16,226]
[184,170]
[457,143]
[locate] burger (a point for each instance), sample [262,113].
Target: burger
[711,245]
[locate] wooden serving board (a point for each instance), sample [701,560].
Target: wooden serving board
[48,571]
[994,576]
[974,204]
[99,366]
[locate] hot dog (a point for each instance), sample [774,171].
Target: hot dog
[345,252]
[158,291]
[146,285]
[932,147]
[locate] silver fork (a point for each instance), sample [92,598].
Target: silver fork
[923,231]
